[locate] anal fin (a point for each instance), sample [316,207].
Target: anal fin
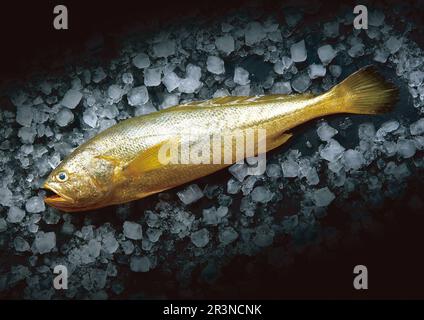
[278,140]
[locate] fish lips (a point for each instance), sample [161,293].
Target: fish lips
[56,198]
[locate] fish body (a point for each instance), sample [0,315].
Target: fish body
[121,163]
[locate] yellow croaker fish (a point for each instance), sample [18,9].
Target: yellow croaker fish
[122,164]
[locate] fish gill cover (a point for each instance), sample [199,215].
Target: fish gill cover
[328,186]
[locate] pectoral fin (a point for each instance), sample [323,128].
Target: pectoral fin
[150,159]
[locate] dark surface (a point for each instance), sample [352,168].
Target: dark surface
[394,258]
[31,44]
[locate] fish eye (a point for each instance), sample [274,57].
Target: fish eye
[62,176]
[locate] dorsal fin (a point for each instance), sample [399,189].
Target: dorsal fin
[237,101]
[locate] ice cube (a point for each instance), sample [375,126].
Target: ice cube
[210,216]
[153,234]
[326,54]
[193,71]
[20,244]
[27,135]
[140,264]
[316,71]
[138,96]
[128,247]
[99,75]
[326,132]
[376,18]
[254,33]
[273,170]
[215,65]
[225,44]
[35,205]
[220,93]
[353,159]
[222,211]
[19,97]
[406,148]
[90,118]
[114,92]
[141,61]
[281,88]
[109,243]
[105,124]
[261,194]
[152,77]
[200,238]
[393,44]
[145,109]
[301,83]
[44,242]
[5,196]
[387,127]
[94,247]
[381,55]
[189,85]
[171,81]
[323,197]
[264,236]
[71,99]
[3,225]
[332,151]
[335,70]
[164,49]
[416,78]
[241,90]
[190,194]
[417,128]
[233,186]
[24,115]
[169,100]
[357,50]
[298,51]
[46,87]
[241,76]
[127,78]
[287,62]
[366,131]
[110,111]
[331,29]
[227,235]
[419,142]
[64,117]
[239,171]
[132,230]
[311,175]
[279,67]
[15,215]
[290,168]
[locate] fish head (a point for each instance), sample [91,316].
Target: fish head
[80,182]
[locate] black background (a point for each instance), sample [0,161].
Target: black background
[29,43]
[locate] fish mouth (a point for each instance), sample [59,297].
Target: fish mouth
[55,198]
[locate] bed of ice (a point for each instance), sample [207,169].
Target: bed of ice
[205,224]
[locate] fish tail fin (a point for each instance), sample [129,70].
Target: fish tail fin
[364,92]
